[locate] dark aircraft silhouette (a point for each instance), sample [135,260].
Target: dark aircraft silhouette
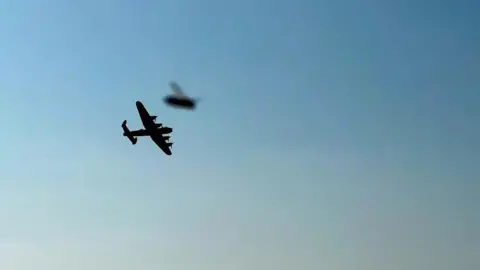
[152,129]
[179,100]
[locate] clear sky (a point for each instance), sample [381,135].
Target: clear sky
[333,135]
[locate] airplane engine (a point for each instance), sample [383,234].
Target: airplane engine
[166,130]
[158,125]
[154,117]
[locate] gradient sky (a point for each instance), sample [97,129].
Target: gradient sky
[333,135]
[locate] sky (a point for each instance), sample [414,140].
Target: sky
[331,135]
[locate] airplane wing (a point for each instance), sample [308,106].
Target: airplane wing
[148,120]
[158,139]
[177,90]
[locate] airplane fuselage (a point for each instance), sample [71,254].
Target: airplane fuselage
[180,102]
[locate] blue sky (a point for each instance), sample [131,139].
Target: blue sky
[332,135]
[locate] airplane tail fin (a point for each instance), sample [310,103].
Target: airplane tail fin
[126,133]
